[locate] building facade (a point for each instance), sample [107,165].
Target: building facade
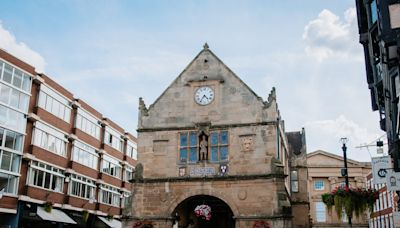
[209,142]
[324,175]
[61,161]
[379,29]
[384,214]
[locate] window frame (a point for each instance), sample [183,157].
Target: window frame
[294,181]
[317,188]
[49,99]
[109,135]
[111,160]
[46,169]
[113,191]
[79,148]
[42,129]
[25,76]
[320,205]
[219,145]
[188,147]
[88,183]
[83,118]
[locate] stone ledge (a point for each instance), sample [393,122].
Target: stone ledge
[212,178]
[211,127]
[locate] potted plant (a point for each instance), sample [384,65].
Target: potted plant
[48,206]
[110,217]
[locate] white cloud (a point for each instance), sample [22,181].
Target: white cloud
[9,43]
[330,36]
[343,127]
[325,134]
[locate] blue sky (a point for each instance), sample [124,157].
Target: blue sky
[308,50]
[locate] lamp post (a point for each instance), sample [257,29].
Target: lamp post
[345,171]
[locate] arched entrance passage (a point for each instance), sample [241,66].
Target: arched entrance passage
[221,213]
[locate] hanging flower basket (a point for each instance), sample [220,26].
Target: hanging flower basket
[203,211]
[350,200]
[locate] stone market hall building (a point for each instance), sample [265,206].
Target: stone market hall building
[210,140]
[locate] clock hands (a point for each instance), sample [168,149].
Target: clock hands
[204,96]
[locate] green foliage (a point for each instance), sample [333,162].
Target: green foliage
[48,206]
[350,200]
[85,215]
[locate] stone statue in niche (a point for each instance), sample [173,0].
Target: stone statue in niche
[203,148]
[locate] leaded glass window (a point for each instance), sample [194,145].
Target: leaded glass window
[219,146]
[188,147]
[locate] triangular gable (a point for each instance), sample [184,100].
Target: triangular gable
[234,101]
[323,158]
[189,66]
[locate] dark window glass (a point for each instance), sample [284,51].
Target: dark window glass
[5,160]
[47,180]
[1,136]
[10,140]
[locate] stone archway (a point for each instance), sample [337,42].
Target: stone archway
[221,213]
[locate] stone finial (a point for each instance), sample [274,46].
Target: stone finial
[272,95]
[205,46]
[142,107]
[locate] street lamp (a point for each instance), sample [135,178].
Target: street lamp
[345,171]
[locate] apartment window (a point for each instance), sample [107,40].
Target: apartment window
[15,77]
[319,185]
[82,187]
[12,119]
[46,176]
[109,195]
[85,154]
[219,146]
[188,147]
[320,212]
[87,123]
[54,103]
[294,181]
[128,173]
[12,183]
[131,150]
[111,166]
[14,98]
[9,161]
[11,140]
[113,139]
[50,139]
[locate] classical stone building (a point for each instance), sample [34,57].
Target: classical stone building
[210,140]
[324,175]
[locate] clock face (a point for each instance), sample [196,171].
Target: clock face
[204,95]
